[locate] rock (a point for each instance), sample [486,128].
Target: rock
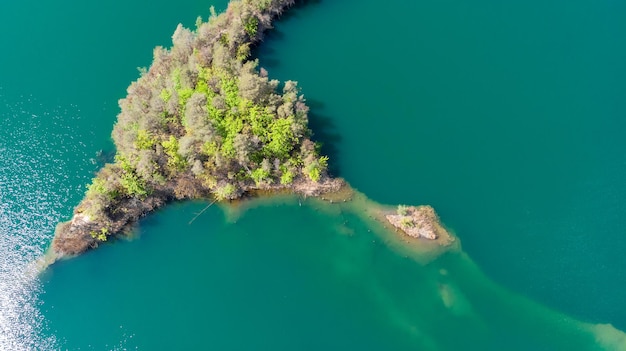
[418,222]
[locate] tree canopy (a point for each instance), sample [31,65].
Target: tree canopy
[204,119]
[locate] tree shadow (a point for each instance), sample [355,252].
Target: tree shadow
[270,58]
[325,132]
[269,63]
[264,52]
[105,156]
[322,126]
[296,10]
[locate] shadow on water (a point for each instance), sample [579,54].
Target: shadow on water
[325,132]
[295,11]
[270,56]
[323,127]
[270,63]
[270,60]
[273,34]
[105,156]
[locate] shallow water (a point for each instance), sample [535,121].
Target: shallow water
[289,276]
[505,117]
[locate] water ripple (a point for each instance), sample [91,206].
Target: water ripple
[36,152]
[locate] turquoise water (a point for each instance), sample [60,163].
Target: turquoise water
[259,279]
[508,118]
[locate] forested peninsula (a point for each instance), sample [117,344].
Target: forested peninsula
[204,121]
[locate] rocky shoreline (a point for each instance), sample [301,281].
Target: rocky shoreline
[416,222]
[83,232]
[205,122]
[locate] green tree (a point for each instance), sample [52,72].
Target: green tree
[225,192]
[251,25]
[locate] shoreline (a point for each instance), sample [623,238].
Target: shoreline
[204,121]
[82,232]
[76,236]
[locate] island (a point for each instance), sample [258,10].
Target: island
[205,121]
[417,222]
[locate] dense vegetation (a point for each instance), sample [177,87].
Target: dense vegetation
[204,120]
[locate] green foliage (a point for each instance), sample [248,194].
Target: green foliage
[314,174]
[124,163]
[224,39]
[175,162]
[281,138]
[202,87]
[133,185]
[243,52]
[204,118]
[100,235]
[230,90]
[204,112]
[402,210]
[260,175]
[232,125]
[407,222]
[97,187]
[103,190]
[224,192]
[183,95]
[130,182]
[287,177]
[165,95]
[323,162]
[170,146]
[263,4]
[228,147]
[144,140]
[209,148]
[259,119]
[314,169]
[250,25]
[176,78]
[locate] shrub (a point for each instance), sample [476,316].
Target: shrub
[165,95]
[402,210]
[144,140]
[224,192]
[314,174]
[260,175]
[133,185]
[315,168]
[175,162]
[97,187]
[287,177]
[243,52]
[100,235]
[407,222]
[250,25]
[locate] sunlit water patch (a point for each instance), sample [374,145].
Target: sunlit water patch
[39,168]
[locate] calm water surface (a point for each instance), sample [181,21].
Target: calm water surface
[508,118]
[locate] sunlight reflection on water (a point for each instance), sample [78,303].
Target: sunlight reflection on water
[34,192]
